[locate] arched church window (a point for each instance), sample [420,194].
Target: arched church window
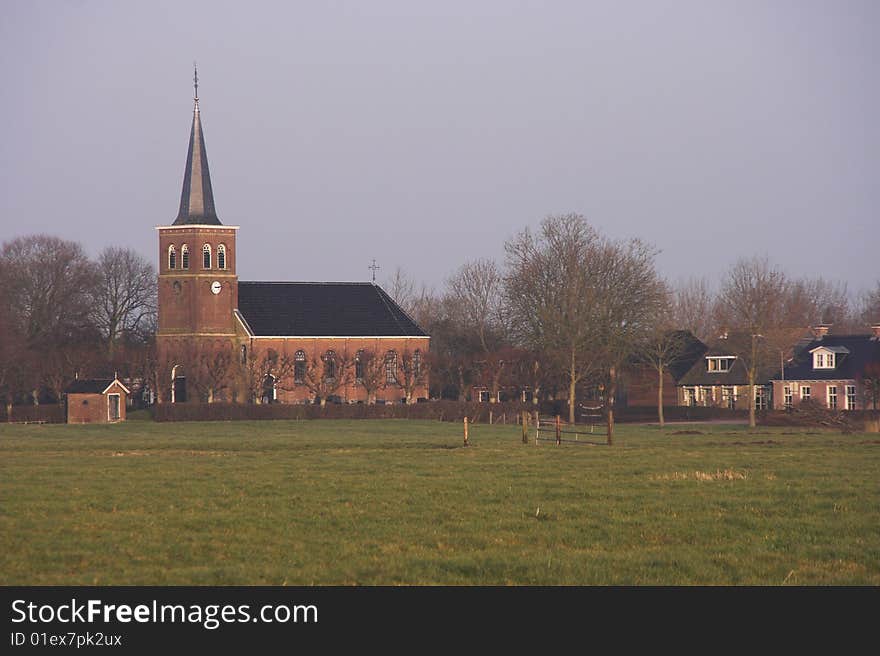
[330,366]
[184,256]
[299,367]
[359,366]
[221,256]
[172,257]
[417,363]
[206,256]
[243,354]
[390,368]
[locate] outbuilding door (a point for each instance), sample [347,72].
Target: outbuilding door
[113,410]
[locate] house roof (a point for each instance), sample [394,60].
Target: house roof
[699,374]
[93,386]
[692,351]
[862,349]
[322,309]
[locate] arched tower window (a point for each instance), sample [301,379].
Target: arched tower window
[299,367]
[391,368]
[172,257]
[206,256]
[330,366]
[221,256]
[184,256]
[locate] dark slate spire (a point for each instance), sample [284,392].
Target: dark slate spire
[197,197]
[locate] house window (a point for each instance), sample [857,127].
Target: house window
[832,397]
[206,256]
[690,396]
[728,397]
[391,368]
[221,256]
[760,397]
[172,257]
[484,396]
[299,367]
[359,367]
[718,364]
[330,366]
[708,395]
[184,256]
[850,397]
[787,397]
[805,392]
[823,360]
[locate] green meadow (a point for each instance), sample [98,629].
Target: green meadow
[401,502]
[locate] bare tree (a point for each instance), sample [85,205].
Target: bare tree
[328,372]
[370,372]
[259,367]
[550,298]
[753,303]
[412,372]
[475,302]
[869,314]
[210,371]
[692,305]
[583,300]
[125,294]
[51,287]
[664,347]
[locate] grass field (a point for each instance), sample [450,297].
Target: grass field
[401,502]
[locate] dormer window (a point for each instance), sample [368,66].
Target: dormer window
[172,257]
[719,364]
[828,357]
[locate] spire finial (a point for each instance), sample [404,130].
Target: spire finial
[196,84]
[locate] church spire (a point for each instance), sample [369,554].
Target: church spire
[197,197]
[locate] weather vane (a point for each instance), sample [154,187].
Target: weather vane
[375,268]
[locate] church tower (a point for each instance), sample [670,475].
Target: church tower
[198,286]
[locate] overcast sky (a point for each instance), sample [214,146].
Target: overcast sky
[425,134]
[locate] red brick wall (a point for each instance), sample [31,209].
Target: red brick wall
[641,388]
[818,392]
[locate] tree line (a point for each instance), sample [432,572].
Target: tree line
[63,314]
[570,310]
[564,316]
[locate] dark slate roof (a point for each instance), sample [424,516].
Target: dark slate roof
[692,351]
[322,309]
[862,350]
[698,374]
[89,385]
[197,197]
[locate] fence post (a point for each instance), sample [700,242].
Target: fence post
[537,427]
[558,432]
[525,427]
[490,417]
[465,432]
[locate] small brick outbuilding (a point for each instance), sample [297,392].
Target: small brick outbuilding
[96,401]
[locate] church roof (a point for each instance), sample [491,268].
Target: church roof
[197,197]
[322,309]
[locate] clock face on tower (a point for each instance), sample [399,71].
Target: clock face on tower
[216,287]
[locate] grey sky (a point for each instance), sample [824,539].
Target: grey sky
[425,134]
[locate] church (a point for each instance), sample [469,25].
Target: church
[221,339]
